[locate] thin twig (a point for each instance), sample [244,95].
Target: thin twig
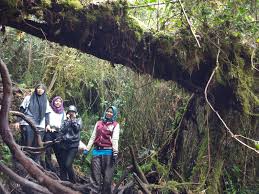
[141,184]
[136,167]
[252,60]
[246,138]
[53,80]
[22,181]
[190,25]
[2,189]
[216,112]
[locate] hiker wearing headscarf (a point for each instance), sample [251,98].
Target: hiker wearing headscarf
[104,139]
[36,107]
[56,118]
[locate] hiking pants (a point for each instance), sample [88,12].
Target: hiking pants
[67,157]
[101,174]
[50,136]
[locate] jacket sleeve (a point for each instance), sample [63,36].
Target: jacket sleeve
[47,119]
[64,127]
[76,125]
[23,107]
[115,138]
[25,102]
[92,138]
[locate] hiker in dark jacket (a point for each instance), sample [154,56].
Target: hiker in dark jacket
[56,118]
[70,132]
[105,139]
[36,107]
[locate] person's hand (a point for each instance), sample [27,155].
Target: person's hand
[48,128]
[85,152]
[17,125]
[72,115]
[114,158]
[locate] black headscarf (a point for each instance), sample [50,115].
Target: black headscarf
[38,104]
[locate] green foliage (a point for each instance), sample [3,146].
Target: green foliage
[76,4]
[25,56]
[256,145]
[154,165]
[5,154]
[46,3]
[228,16]
[11,3]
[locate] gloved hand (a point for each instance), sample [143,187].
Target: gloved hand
[114,158]
[85,152]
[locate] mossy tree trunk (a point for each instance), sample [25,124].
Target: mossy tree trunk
[205,152]
[208,155]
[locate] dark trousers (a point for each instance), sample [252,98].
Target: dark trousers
[102,169]
[50,136]
[28,139]
[67,157]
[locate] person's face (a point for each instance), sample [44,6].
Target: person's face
[109,113]
[58,103]
[40,91]
[71,114]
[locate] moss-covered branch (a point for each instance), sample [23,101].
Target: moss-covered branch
[108,32]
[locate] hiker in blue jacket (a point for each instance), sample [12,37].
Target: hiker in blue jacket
[104,139]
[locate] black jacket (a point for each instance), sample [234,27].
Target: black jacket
[70,130]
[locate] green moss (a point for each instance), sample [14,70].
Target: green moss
[10,3]
[90,18]
[46,3]
[240,76]
[220,78]
[165,43]
[163,170]
[136,26]
[215,178]
[201,168]
[243,85]
[76,4]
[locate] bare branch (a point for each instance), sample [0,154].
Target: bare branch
[141,184]
[78,187]
[136,167]
[124,175]
[8,139]
[122,189]
[32,124]
[252,60]
[24,117]
[22,181]
[2,189]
